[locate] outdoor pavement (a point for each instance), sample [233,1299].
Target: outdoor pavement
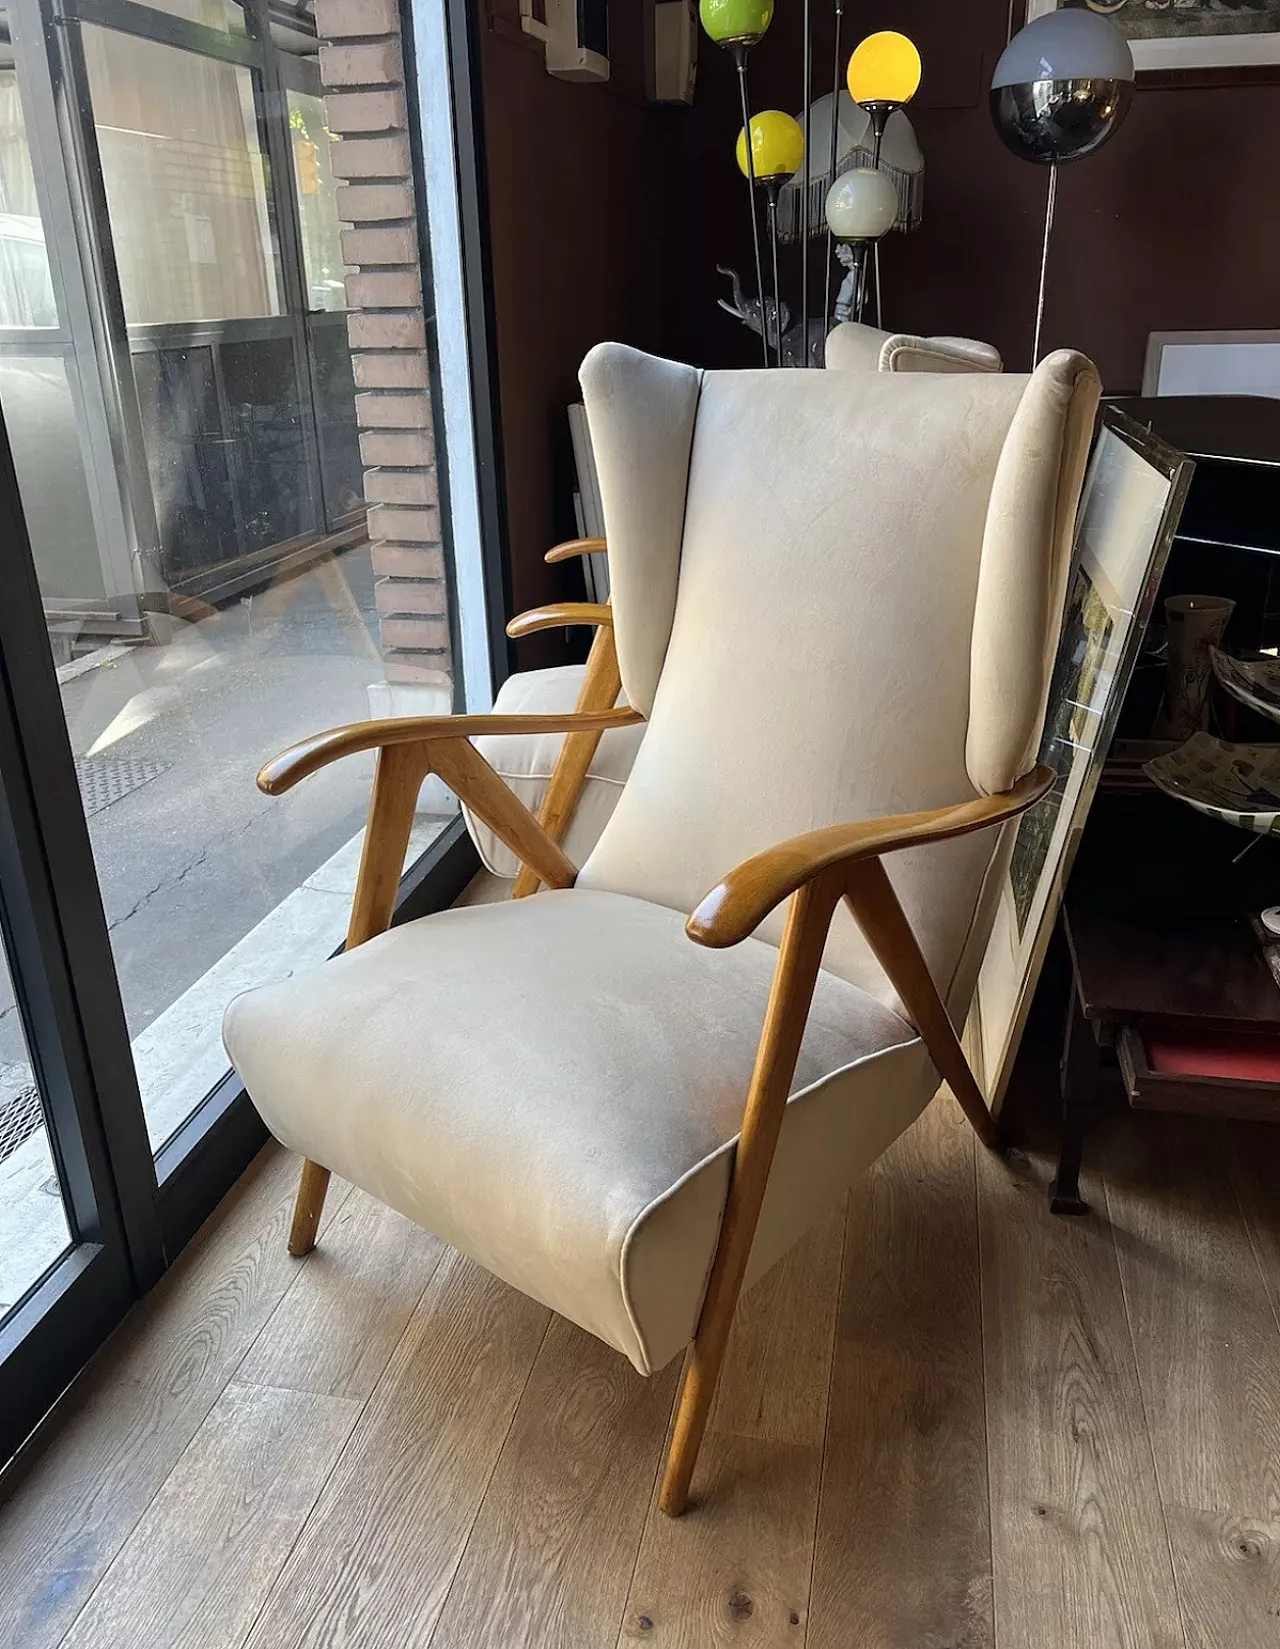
[198,870]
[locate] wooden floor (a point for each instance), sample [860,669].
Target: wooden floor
[949,1422]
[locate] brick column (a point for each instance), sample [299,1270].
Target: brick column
[362,70]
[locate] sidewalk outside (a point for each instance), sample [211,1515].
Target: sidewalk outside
[207,884]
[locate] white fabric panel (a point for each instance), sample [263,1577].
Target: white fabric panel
[831,682]
[555,1084]
[1026,555]
[641,411]
[526,764]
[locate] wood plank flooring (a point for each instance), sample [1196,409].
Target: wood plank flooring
[948,1422]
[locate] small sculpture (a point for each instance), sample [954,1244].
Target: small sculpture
[748,311]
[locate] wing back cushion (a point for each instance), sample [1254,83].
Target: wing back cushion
[857,555]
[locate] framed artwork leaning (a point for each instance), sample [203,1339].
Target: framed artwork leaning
[1167,36]
[1129,511]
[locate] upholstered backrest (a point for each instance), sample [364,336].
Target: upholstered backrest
[855,347]
[835,596]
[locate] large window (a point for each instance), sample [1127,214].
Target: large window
[193,589]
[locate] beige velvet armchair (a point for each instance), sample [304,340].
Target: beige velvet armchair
[629,1095]
[572,782]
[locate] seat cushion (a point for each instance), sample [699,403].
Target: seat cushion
[526,764]
[555,1086]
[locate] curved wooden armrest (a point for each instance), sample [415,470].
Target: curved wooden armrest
[575,546]
[560,613]
[282,772]
[735,908]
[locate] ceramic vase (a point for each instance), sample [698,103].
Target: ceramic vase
[1195,624]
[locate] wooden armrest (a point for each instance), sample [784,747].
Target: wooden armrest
[560,613]
[735,908]
[575,546]
[282,772]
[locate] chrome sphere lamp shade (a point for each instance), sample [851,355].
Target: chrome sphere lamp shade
[1060,90]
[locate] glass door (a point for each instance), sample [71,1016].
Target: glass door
[189,586]
[71,1257]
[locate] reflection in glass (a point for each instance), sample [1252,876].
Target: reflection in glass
[317,204]
[33,1222]
[264,420]
[210,14]
[341,470]
[185,181]
[26,287]
[259,623]
[40,415]
[208,885]
[187,456]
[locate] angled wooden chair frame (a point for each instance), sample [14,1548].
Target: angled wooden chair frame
[815,871]
[601,684]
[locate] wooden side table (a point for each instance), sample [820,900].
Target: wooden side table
[1134,975]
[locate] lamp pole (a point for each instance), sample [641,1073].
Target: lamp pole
[739,50]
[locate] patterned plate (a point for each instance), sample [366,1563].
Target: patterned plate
[1255,682]
[1238,783]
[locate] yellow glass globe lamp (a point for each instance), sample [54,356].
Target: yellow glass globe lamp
[777,147]
[884,69]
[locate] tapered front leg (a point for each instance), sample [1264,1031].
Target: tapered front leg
[307,1208]
[799,958]
[397,780]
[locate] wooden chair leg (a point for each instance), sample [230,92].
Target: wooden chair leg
[397,780]
[601,684]
[799,957]
[888,932]
[308,1208]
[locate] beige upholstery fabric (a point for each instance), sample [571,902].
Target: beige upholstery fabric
[641,428]
[853,347]
[879,487]
[838,599]
[906,354]
[1026,555]
[555,1084]
[526,764]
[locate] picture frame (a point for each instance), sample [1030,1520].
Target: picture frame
[1191,41]
[1212,363]
[1130,507]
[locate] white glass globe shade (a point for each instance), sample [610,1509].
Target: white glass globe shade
[1072,44]
[861,205]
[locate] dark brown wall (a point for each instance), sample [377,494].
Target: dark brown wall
[1170,226]
[609,216]
[570,198]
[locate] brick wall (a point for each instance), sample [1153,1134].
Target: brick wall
[362,70]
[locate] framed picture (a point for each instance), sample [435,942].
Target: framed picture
[1129,512]
[1172,35]
[1212,363]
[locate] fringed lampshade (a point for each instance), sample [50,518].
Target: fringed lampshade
[900,159]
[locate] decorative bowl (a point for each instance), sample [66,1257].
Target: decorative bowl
[1254,681]
[1237,783]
